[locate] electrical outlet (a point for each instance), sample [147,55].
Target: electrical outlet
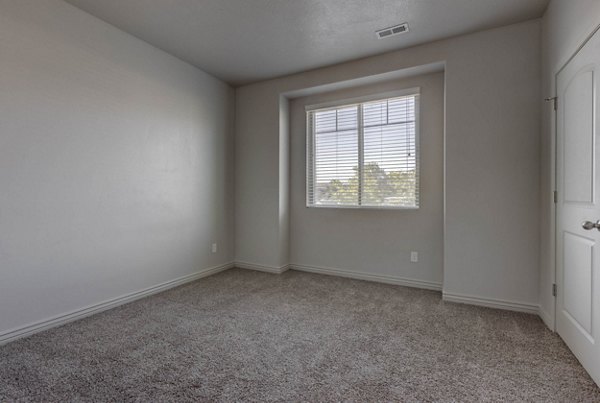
[414,256]
[214,248]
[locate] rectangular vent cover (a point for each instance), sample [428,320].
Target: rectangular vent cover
[392,31]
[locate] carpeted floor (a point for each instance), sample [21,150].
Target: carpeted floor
[249,336]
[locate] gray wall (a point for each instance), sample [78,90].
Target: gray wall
[115,164]
[565,26]
[492,159]
[381,239]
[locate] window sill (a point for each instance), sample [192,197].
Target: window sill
[341,207]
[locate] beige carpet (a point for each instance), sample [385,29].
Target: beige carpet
[249,336]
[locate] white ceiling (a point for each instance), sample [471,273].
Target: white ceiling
[242,41]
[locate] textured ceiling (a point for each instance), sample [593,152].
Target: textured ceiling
[242,41]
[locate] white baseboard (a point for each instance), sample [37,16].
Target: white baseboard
[407,282]
[261,267]
[58,320]
[491,303]
[547,318]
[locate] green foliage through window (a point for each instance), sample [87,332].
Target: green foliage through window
[379,187]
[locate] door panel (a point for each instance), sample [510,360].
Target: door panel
[579,137]
[577,284]
[578,247]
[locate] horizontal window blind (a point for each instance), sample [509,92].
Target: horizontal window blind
[364,154]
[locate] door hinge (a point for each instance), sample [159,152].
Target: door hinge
[554,102]
[555,196]
[554,292]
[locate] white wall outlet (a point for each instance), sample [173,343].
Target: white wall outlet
[214,248]
[414,256]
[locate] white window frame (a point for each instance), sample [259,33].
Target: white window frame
[310,152]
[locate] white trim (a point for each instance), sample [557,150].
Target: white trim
[379,278]
[546,318]
[261,267]
[367,98]
[62,319]
[491,302]
[361,207]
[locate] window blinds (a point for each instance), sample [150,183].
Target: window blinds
[364,154]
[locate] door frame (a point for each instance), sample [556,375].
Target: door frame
[554,172]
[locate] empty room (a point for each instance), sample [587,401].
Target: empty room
[299,200]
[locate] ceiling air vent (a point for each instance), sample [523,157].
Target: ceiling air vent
[392,31]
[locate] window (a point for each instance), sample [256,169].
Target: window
[364,154]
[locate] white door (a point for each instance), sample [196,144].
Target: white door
[578,206]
